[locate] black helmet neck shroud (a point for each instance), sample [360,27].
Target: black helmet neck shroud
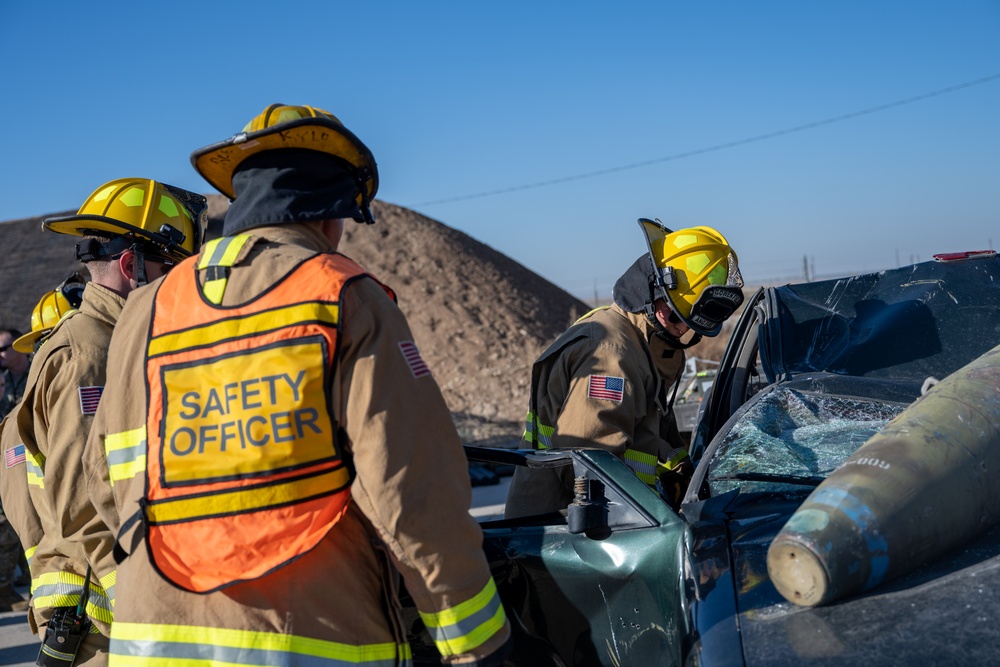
[293,185]
[634,292]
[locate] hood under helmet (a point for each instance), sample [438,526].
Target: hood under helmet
[693,270]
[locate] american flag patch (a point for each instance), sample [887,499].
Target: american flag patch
[413,359]
[606,387]
[13,456]
[89,398]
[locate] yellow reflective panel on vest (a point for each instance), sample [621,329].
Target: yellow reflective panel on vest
[243,473]
[274,418]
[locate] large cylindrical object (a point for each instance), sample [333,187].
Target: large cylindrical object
[928,482]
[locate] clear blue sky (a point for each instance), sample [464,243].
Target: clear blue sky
[461,98]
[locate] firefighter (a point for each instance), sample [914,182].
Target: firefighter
[20,520]
[605,381]
[131,231]
[14,365]
[283,454]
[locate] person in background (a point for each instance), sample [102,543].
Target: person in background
[605,381]
[15,370]
[131,231]
[277,450]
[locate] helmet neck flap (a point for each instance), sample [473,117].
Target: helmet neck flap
[634,292]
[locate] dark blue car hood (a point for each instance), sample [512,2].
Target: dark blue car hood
[946,608]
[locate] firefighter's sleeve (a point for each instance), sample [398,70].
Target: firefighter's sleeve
[66,395]
[14,489]
[115,454]
[98,481]
[412,479]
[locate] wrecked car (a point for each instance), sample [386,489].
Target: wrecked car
[811,372]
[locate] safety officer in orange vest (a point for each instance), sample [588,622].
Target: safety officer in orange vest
[283,453]
[20,526]
[605,381]
[132,230]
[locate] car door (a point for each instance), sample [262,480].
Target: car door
[599,583]
[738,376]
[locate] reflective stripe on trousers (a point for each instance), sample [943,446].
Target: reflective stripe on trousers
[155,645]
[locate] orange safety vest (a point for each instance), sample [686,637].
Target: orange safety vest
[244,472]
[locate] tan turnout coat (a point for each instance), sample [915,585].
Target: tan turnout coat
[408,512]
[567,407]
[53,421]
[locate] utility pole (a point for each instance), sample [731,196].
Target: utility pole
[805,268]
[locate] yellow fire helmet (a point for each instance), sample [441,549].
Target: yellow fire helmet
[285,126]
[49,310]
[697,273]
[163,220]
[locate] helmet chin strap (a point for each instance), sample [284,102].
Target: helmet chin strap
[676,342]
[140,266]
[661,332]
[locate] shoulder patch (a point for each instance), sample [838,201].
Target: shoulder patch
[90,397]
[413,359]
[13,456]
[606,387]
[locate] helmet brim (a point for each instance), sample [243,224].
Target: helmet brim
[96,225]
[26,343]
[217,162]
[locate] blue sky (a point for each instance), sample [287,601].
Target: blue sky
[461,98]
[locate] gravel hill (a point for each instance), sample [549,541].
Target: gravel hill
[479,317]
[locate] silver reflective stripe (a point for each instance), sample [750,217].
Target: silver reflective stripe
[59,588]
[231,656]
[459,629]
[643,465]
[539,435]
[126,455]
[218,252]
[65,594]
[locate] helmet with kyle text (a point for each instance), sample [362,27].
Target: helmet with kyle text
[282,126]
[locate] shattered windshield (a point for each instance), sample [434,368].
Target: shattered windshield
[910,323]
[794,439]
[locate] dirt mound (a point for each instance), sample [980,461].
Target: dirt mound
[479,318]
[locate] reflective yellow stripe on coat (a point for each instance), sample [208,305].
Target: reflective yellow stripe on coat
[643,465]
[126,454]
[154,645]
[63,589]
[538,435]
[466,626]
[34,467]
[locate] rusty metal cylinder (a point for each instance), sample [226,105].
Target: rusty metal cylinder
[926,483]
